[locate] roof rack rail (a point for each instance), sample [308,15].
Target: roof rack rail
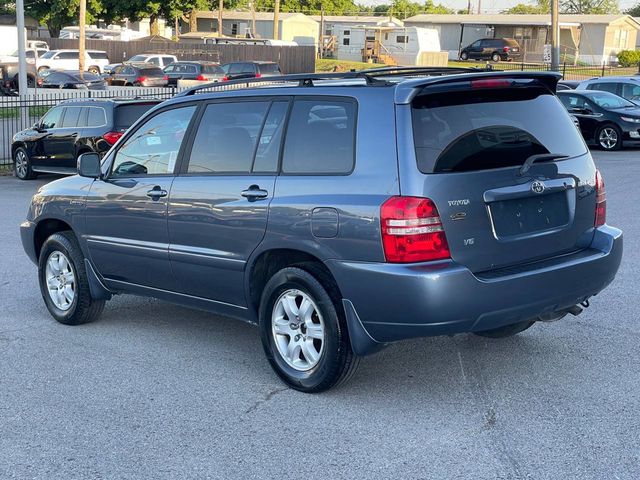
[370,76]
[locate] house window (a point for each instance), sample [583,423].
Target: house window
[523,32]
[346,33]
[620,38]
[345,41]
[402,39]
[386,36]
[328,32]
[234,29]
[371,39]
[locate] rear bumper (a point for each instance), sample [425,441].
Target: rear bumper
[394,302]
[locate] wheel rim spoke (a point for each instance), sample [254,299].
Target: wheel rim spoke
[298,330]
[60,280]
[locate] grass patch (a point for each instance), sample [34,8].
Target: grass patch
[14,112]
[331,65]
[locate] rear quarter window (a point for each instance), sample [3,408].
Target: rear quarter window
[269,68]
[494,128]
[127,115]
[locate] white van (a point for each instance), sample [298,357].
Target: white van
[159,60]
[95,60]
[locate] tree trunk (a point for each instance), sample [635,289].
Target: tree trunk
[154,25]
[54,30]
[193,21]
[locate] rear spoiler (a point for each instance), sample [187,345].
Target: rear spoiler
[407,90]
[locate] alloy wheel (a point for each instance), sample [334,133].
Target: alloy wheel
[61,280]
[22,164]
[298,330]
[608,138]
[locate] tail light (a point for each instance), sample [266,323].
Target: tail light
[165,78]
[258,75]
[201,78]
[112,137]
[490,83]
[412,231]
[225,79]
[141,79]
[601,201]
[506,49]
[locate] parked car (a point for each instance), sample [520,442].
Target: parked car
[137,75]
[95,60]
[200,71]
[71,79]
[10,78]
[159,60]
[494,49]
[338,216]
[38,45]
[31,54]
[625,87]
[239,70]
[605,119]
[567,85]
[70,129]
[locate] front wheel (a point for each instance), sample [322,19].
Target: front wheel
[507,330]
[63,281]
[95,70]
[304,332]
[464,56]
[22,165]
[609,137]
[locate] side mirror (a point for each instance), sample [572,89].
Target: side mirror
[89,165]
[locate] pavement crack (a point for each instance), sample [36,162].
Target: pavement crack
[270,394]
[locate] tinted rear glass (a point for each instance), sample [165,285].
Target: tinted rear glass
[152,72]
[99,55]
[269,68]
[127,115]
[484,129]
[212,69]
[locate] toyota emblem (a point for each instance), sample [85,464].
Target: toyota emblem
[537,187]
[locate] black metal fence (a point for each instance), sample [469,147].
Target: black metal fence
[571,72]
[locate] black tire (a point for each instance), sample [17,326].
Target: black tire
[507,330]
[42,69]
[94,69]
[607,146]
[337,362]
[22,165]
[495,57]
[83,308]
[464,56]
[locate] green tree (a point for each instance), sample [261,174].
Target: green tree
[56,14]
[634,11]
[541,6]
[589,6]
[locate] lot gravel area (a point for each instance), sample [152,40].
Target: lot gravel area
[156,391]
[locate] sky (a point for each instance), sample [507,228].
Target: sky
[488,6]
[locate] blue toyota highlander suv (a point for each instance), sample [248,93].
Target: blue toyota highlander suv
[338,212]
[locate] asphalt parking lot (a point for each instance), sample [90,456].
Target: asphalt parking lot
[158,391]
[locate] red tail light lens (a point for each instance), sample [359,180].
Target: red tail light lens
[601,201]
[225,79]
[141,79]
[201,78]
[165,78]
[112,137]
[412,231]
[505,49]
[258,75]
[490,83]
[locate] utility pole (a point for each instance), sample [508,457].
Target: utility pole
[469,7]
[479,7]
[555,37]
[81,35]
[22,64]
[276,26]
[253,20]
[220,8]
[321,39]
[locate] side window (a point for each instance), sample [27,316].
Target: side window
[52,118]
[605,87]
[476,44]
[154,60]
[227,137]
[68,56]
[235,68]
[96,117]
[153,148]
[167,60]
[630,91]
[268,151]
[71,117]
[320,137]
[170,68]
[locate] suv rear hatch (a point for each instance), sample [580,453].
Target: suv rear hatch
[471,139]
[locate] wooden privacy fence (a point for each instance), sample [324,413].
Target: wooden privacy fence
[300,59]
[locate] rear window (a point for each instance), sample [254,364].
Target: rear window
[98,55]
[138,58]
[484,129]
[152,72]
[49,54]
[269,68]
[127,115]
[212,69]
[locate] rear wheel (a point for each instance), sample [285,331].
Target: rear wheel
[304,332]
[22,165]
[63,281]
[507,330]
[609,137]
[93,69]
[495,57]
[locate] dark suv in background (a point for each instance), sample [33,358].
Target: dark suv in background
[494,49]
[239,70]
[71,128]
[339,213]
[198,71]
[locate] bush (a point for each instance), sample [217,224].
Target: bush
[629,58]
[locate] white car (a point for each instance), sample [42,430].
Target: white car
[32,55]
[95,60]
[160,60]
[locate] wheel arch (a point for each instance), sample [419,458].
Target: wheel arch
[45,228]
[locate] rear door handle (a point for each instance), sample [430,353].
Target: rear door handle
[157,192]
[254,192]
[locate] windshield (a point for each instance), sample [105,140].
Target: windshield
[484,129]
[609,100]
[49,54]
[138,58]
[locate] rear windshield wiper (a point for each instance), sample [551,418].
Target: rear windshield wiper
[534,158]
